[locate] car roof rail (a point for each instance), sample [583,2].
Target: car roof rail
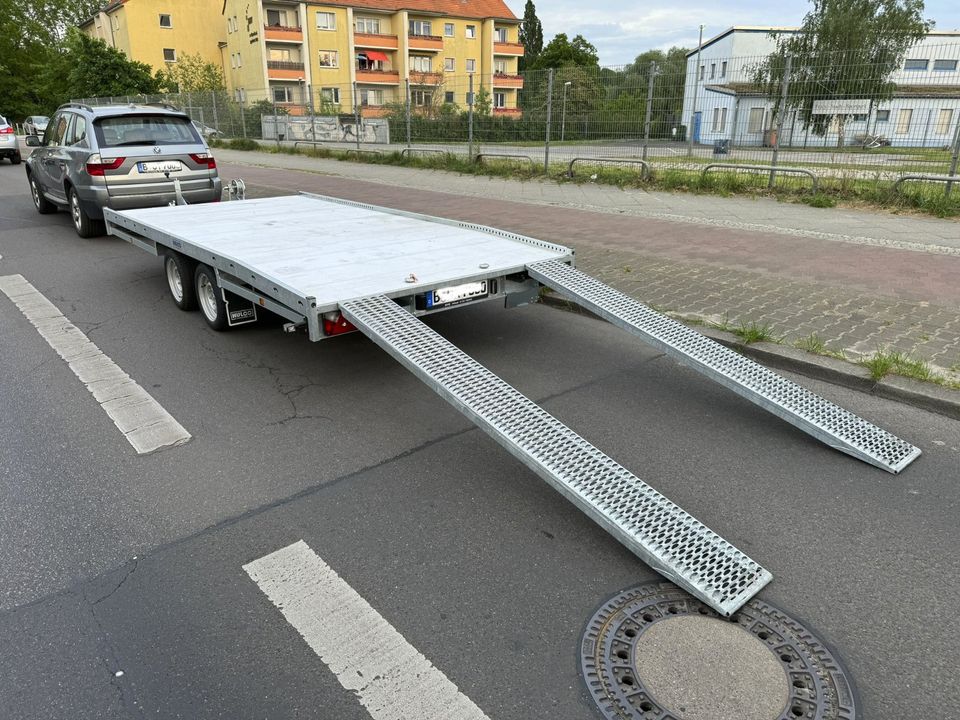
[80,105]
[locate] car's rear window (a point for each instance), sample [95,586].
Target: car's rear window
[144,130]
[40,118]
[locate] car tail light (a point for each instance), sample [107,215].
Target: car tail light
[6,130]
[96,165]
[204,159]
[335,324]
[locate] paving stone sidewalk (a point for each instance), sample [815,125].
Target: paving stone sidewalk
[856,281]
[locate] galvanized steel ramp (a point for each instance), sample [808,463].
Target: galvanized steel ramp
[829,423]
[667,538]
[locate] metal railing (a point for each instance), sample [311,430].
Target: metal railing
[644,165]
[773,170]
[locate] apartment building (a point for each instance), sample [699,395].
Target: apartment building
[158,32]
[333,56]
[722,101]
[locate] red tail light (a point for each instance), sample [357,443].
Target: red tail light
[6,130]
[204,159]
[97,165]
[335,324]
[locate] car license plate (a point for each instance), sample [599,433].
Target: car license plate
[153,167]
[456,294]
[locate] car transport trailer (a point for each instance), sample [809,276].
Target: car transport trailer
[332,266]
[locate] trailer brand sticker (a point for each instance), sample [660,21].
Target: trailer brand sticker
[241,315]
[457,294]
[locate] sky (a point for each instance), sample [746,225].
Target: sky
[622,30]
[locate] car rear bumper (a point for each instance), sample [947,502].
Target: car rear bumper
[95,198]
[9,145]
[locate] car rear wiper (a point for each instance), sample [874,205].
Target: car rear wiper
[137,142]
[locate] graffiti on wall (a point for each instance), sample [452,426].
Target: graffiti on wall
[325,128]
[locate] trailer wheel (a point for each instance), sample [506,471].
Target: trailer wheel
[179,272]
[210,298]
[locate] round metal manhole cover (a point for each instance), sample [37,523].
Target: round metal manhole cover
[655,653]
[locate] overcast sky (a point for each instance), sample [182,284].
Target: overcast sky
[622,30]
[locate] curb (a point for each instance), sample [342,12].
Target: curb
[926,396]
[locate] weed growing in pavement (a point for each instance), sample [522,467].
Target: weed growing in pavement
[812,343]
[820,200]
[894,362]
[748,332]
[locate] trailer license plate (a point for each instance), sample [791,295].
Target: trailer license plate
[456,294]
[153,167]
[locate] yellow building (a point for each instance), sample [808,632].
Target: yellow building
[157,32]
[320,55]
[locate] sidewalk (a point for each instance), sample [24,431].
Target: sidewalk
[859,281]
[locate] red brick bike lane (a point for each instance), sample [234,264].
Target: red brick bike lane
[902,274]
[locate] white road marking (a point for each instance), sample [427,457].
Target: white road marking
[390,677]
[141,419]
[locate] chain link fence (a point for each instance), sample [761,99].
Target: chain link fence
[761,121]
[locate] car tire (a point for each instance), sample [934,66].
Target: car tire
[85,226]
[16,159]
[209,298]
[43,206]
[180,279]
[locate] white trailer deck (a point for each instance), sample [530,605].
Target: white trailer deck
[332,265]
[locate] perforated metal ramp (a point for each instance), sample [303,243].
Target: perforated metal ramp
[830,423]
[667,538]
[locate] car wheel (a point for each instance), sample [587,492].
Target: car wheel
[210,298]
[85,226]
[179,272]
[16,159]
[44,206]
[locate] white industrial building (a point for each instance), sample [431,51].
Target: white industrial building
[721,101]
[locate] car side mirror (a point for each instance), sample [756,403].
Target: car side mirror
[33,141]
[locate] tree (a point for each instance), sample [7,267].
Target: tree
[531,35]
[93,69]
[561,51]
[191,73]
[844,50]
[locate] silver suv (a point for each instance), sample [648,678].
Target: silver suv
[118,157]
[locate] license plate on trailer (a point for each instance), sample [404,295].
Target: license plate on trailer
[153,167]
[456,294]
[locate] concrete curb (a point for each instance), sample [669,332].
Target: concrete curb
[926,396]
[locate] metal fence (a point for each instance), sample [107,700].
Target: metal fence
[840,124]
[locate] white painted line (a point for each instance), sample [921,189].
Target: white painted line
[141,419]
[390,677]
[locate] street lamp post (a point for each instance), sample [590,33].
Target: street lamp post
[563,110]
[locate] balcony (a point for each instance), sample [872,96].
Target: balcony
[374,40]
[283,70]
[378,77]
[373,111]
[431,43]
[425,78]
[501,80]
[508,112]
[283,34]
[508,48]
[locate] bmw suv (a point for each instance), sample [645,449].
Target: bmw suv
[118,157]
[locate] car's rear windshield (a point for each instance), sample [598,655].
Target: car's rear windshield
[40,118]
[144,130]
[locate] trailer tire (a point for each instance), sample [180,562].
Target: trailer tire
[179,272]
[209,297]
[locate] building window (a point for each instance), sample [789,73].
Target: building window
[281,18]
[419,27]
[471,31]
[915,64]
[501,35]
[329,59]
[450,64]
[904,117]
[471,65]
[326,21]
[723,69]
[282,94]
[945,65]
[421,98]
[883,115]
[421,63]
[944,120]
[448,97]
[330,95]
[499,67]
[719,119]
[371,97]
[448,29]
[169,55]
[243,95]
[279,55]
[115,21]
[367,25]
[755,120]
[365,63]
[713,70]
[499,99]
[702,69]
[165,21]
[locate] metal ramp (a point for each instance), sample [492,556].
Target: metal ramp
[829,423]
[662,534]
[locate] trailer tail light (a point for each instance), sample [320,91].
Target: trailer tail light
[96,165]
[335,324]
[6,130]
[204,159]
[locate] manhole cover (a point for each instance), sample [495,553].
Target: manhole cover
[655,653]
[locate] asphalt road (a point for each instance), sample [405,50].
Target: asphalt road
[112,562]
